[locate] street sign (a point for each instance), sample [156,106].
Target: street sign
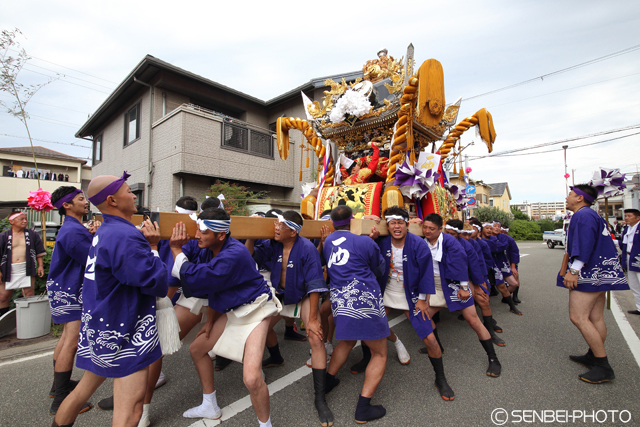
[471,189]
[472,201]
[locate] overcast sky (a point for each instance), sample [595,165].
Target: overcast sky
[266,48]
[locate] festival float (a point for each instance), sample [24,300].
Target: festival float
[382,141]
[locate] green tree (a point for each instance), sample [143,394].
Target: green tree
[235,196]
[518,214]
[546,225]
[487,214]
[525,230]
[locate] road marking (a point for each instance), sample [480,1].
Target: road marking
[627,330]
[24,359]
[240,405]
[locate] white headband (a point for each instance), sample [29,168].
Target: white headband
[215,225]
[390,217]
[292,225]
[487,224]
[325,218]
[457,230]
[467,231]
[477,226]
[504,229]
[183,210]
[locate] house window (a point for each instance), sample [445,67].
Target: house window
[484,199]
[241,138]
[490,202]
[132,125]
[97,149]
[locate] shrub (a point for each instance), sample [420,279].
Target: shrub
[235,196]
[525,230]
[487,214]
[546,225]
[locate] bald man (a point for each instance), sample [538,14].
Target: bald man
[123,277]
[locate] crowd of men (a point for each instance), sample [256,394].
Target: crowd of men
[107,281]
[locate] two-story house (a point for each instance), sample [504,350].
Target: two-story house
[19,176]
[177,133]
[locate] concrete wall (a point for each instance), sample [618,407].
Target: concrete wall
[133,158]
[17,189]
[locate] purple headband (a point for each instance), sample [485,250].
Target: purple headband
[342,222]
[66,199]
[109,190]
[579,192]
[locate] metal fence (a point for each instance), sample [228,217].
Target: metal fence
[243,138]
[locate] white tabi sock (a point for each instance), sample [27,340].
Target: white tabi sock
[267,424]
[403,354]
[144,419]
[209,408]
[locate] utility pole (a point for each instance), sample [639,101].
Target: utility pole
[566,180]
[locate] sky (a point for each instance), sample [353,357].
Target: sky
[267,48]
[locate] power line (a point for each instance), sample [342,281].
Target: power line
[546,144]
[560,149]
[55,120]
[48,105]
[67,81]
[54,123]
[68,76]
[554,73]
[68,68]
[563,90]
[46,140]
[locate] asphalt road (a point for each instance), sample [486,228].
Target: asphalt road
[536,375]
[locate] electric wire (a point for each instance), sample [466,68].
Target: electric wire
[554,73]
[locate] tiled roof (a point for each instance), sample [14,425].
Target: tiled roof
[497,189]
[41,152]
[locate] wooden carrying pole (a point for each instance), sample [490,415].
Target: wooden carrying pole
[247,227]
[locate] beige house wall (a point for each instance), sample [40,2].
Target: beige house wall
[133,158]
[502,202]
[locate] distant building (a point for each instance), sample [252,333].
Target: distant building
[500,196]
[176,133]
[525,208]
[548,210]
[482,194]
[19,175]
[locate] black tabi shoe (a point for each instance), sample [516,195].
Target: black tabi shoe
[495,326]
[222,362]
[441,381]
[587,360]
[106,404]
[331,382]
[361,366]
[275,358]
[488,323]
[512,306]
[365,411]
[514,296]
[637,312]
[495,368]
[319,387]
[600,373]
[291,335]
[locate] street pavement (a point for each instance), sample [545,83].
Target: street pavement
[537,375]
